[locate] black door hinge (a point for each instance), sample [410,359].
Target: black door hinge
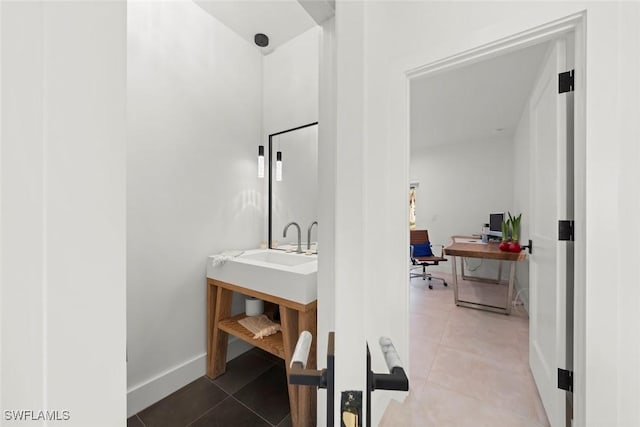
[565,230]
[565,82]
[565,380]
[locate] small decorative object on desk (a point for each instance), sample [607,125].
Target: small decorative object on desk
[511,234]
[514,246]
[504,246]
[485,233]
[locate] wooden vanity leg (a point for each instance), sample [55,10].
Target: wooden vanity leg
[289,326]
[212,293]
[307,395]
[218,308]
[302,399]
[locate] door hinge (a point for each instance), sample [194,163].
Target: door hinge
[565,380]
[565,82]
[565,230]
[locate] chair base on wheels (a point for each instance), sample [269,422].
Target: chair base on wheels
[427,276]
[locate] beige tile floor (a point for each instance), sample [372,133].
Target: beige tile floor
[468,367]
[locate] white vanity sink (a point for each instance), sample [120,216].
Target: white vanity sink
[279,258]
[290,276]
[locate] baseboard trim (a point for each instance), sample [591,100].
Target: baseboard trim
[149,392]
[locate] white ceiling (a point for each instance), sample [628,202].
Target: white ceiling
[280,20]
[470,103]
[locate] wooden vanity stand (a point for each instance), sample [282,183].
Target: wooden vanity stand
[295,318]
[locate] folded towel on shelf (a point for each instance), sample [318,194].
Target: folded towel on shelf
[223,257]
[260,326]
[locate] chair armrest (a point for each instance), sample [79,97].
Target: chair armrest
[411,251]
[441,250]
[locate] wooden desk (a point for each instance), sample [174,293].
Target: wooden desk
[460,248]
[294,318]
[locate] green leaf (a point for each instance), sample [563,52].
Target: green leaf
[505,230]
[515,224]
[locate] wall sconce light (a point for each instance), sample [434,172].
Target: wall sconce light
[279,166]
[260,161]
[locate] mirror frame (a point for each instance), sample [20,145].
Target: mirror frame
[271,175]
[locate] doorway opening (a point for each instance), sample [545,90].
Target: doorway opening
[493,168]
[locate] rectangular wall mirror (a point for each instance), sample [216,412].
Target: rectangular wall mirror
[293,186]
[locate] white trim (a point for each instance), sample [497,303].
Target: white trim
[44,285]
[145,394]
[1,210]
[416,66]
[517,41]
[326,202]
[580,214]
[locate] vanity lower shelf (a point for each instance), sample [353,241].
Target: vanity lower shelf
[272,344]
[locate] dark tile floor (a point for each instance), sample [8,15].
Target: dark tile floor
[252,393]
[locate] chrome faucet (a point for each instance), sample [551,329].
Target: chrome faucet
[309,234]
[284,234]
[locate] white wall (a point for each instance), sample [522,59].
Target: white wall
[460,185]
[625,305]
[400,36]
[291,83]
[63,210]
[194,124]
[326,200]
[353,247]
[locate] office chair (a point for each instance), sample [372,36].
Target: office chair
[422,255]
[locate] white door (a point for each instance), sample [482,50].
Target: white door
[547,268]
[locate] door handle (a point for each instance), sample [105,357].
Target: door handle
[350,416]
[396,379]
[299,375]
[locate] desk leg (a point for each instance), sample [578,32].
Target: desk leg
[504,310]
[512,279]
[454,261]
[481,279]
